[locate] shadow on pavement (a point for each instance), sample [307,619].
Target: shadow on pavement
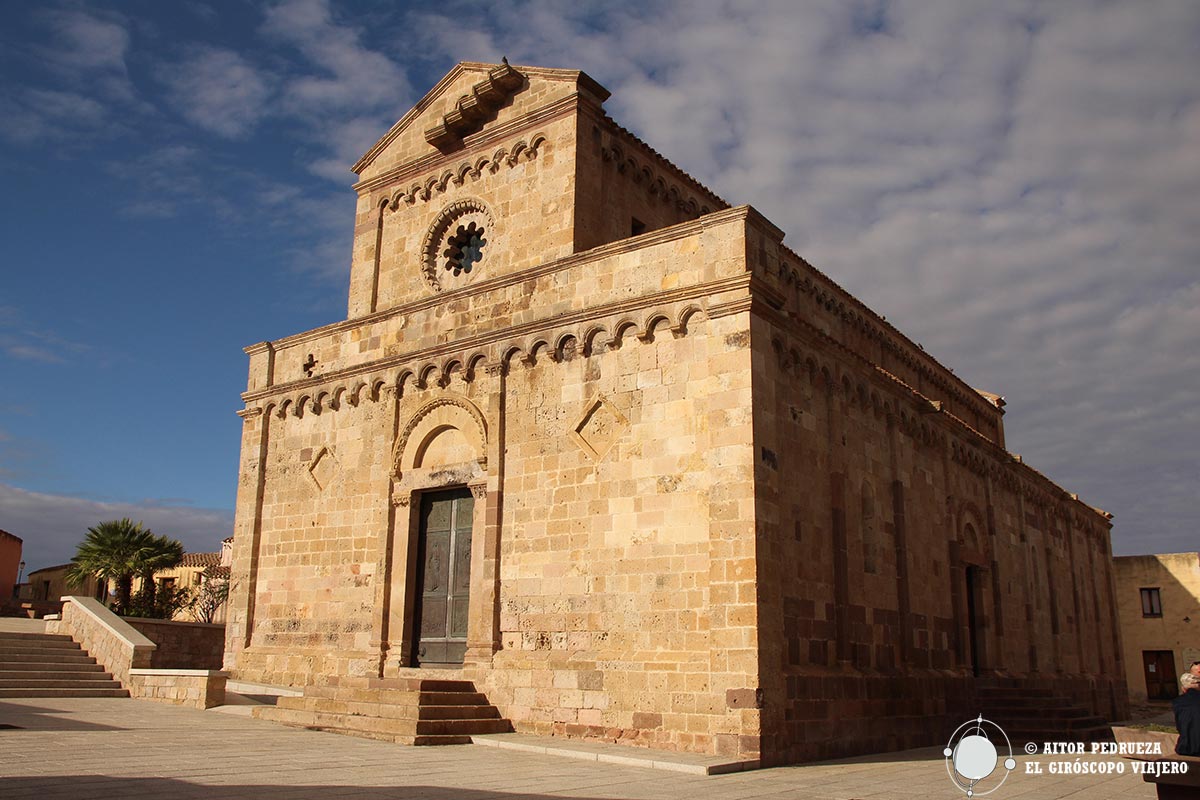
[37,718]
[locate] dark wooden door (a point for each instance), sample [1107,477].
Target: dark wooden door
[1159,666]
[973,617]
[443,577]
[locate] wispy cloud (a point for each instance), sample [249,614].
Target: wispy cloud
[345,93]
[89,48]
[26,342]
[218,90]
[51,525]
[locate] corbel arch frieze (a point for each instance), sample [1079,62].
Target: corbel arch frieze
[450,369]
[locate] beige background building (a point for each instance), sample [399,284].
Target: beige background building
[599,442]
[50,583]
[1158,598]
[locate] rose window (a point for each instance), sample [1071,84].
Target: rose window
[464,249]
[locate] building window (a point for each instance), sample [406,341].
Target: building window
[1151,603]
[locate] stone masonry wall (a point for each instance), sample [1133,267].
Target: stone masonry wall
[194,688]
[872,507]
[105,637]
[182,645]
[626,607]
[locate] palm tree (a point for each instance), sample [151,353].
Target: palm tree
[117,551]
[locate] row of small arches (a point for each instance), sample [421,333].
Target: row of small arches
[655,183]
[527,352]
[833,303]
[858,393]
[505,156]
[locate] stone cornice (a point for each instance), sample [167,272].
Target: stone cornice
[598,116]
[978,452]
[660,236]
[477,144]
[592,92]
[834,297]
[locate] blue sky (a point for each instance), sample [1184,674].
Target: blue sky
[1014,185]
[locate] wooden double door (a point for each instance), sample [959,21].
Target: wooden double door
[443,578]
[1159,666]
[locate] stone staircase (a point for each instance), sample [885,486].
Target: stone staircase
[1039,715]
[416,711]
[49,665]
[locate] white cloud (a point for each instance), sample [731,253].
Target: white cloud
[219,91]
[52,525]
[89,49]
[346,93]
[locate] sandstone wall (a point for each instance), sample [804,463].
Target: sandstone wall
[873,506]
[626,599]
[182,645]
[194,688]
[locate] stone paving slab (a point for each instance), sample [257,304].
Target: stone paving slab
[606,753]
[76,748]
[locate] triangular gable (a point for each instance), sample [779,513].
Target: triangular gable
[482,87]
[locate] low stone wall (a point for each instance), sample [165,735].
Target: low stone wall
[196,688]
[105,636]
[138,662]
[182,645]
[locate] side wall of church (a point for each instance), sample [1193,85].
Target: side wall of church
[872,507]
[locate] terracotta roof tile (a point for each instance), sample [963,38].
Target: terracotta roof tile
[200,560]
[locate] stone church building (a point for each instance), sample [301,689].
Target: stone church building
[597,442]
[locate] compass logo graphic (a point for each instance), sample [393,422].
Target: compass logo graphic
[973,754]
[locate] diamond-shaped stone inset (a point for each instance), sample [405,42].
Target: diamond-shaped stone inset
[323,469]
[599,427]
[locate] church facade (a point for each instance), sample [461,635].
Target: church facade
[597,441]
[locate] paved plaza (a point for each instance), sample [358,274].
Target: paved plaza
[118,748]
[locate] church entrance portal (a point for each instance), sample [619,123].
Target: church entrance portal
[443,578]
[973,631]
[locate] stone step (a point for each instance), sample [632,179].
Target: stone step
[79,657]
[1061,714]
[71,692]
[40,650]
[46,666]
[409,683]
[380,726]
[421,684]
[8,676]
[397,696]
[5,636]
[1025,706]
[388,710]
[1009,693]
[90,681]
